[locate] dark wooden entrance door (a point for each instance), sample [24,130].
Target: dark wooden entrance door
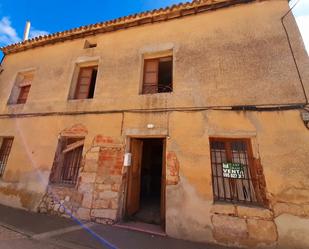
[134,184]
[134,203]
[163,186]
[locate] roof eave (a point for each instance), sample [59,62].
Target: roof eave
[160,15]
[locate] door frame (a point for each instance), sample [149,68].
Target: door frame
[163,174]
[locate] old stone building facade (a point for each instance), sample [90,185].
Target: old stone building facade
[199,106]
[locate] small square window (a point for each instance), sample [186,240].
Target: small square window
[5,149]
[158,75]
[86,81]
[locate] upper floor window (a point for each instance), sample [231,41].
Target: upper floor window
[5,149]
[67,160]
[86,81]
[20,91]
[235,176]
[158,75]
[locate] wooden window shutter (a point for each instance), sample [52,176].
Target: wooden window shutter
[24,88]
[83,83]
[151,68]
[58,162]
[23,94]
[5,150]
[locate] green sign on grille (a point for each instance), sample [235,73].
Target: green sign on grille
[233,170]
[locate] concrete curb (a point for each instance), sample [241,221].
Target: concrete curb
[17,230]
[53,233]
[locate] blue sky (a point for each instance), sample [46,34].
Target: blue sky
[301,13]
[53,16]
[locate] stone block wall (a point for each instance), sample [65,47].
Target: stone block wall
[243,226]
[107,185]
[96,195]
[61,201]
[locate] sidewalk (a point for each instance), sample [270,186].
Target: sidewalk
[59,233]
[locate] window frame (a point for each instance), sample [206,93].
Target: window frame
[157,59]
[78,85]
[21,99]
[6,153]
[20,84]
[251,167]
[60,169]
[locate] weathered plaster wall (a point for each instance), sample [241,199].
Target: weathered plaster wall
[33,151]
[233,56]
[215,54]
[279,139]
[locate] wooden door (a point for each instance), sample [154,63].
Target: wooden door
[163,184]
[134,184]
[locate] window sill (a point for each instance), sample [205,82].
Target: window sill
[239,204]
[62,185]
[15,104]
[241,210]
[80,100]
[12,108]
[151,94]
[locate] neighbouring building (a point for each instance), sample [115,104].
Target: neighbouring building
[194,117]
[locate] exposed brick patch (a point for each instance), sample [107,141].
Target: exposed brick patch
[96,195]
[260,183]
[172,169]
[108,183]
[75,130]
[106,141]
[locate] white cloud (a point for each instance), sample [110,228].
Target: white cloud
[8,34]
[303,24]
[35,32]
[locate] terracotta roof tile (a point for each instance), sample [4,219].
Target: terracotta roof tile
[156,15]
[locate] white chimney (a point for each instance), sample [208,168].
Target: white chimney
[27,30]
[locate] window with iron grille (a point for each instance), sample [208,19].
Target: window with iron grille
[21,89]
[158,75]
[5,149]
[86,81]
[67,161]
[235,176]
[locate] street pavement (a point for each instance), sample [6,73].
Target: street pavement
[20,229]
[14,240]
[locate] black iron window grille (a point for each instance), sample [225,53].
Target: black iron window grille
[5,149]
[67,161]
[234,176]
